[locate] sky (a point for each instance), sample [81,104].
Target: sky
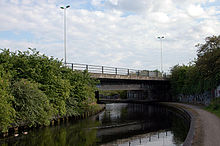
[117,33]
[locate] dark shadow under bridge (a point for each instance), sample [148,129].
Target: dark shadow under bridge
[139,84]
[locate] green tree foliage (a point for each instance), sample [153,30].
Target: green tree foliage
[64,92]
[178,78]
[41,69]
[82,91]
[208,62]
[31,104]
[7,112]
[201,75]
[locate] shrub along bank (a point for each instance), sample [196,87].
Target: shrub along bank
[198,80]
[214,107]
[34,89]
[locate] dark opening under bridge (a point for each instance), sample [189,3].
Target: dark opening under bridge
[139,84]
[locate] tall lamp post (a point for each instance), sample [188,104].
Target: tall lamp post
[64,8]
[161,57]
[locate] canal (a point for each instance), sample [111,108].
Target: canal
[120,124]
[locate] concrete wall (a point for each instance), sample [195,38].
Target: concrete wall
[203,98]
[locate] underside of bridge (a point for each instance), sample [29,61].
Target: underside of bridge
[151,90]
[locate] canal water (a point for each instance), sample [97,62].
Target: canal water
[121,124]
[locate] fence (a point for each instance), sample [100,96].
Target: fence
[96,69]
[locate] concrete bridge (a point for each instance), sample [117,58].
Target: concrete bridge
[117,73]
[139,84]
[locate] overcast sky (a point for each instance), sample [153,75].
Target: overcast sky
[119,33]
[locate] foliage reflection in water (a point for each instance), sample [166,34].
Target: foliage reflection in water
[119,124]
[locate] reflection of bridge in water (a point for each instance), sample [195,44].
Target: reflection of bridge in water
[129,123]
[152,137]
[139,84]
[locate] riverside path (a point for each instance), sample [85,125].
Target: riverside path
[206,126]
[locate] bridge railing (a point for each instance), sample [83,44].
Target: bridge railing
[113,70]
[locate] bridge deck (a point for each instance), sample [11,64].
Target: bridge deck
[131,77]
[105,72]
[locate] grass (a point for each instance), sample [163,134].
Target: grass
[214,107]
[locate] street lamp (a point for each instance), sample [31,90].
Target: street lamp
[64,8]
[161,38]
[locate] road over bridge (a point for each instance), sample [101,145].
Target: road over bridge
[139,84]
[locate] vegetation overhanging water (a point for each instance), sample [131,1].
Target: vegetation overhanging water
[119,124]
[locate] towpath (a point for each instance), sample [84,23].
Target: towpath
[206,128]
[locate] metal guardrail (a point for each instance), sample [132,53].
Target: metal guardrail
[96,69]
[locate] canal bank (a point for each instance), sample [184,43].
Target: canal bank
[204,127]
[23,129]
[119,124]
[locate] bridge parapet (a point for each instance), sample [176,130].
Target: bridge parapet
[128,77]
[117,73]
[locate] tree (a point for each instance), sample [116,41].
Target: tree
[178,79]
[42,89]
[31,104]
[208,61]
[7,112]
[201,75]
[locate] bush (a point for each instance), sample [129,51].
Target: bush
[82,91]
[7,113]
[31,104]
[43,88]
[214,106]
[201,75]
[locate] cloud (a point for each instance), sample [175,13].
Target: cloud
[121,33]
[195,11]
[97,2]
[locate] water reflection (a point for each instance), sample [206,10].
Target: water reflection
[119,124]
[139,119]
[160,138]
[67,134]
